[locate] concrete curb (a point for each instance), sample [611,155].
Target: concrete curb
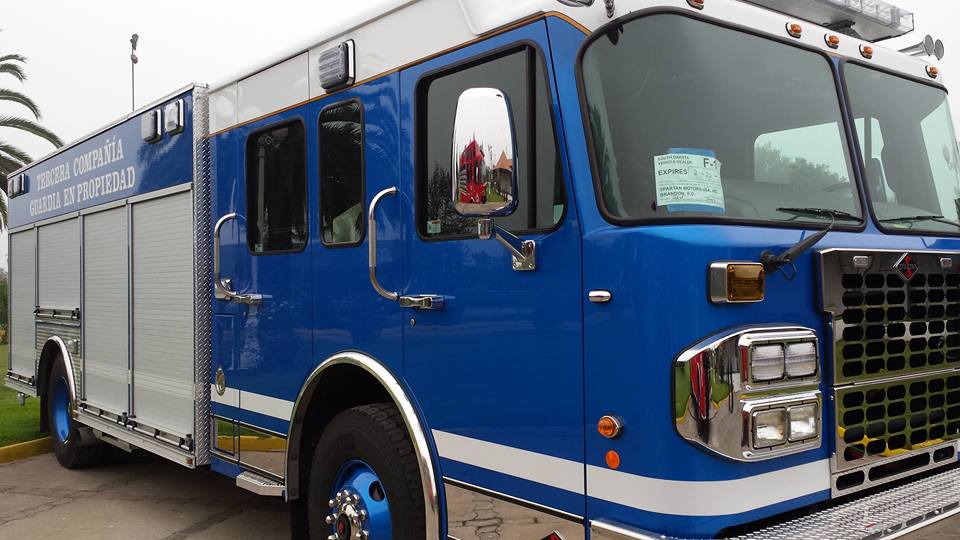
[25,450]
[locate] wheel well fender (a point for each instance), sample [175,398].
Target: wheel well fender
[54,350]
[341,382]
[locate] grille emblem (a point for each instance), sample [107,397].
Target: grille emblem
[906,267]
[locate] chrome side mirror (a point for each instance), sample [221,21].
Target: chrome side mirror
[484,155]
[484,166]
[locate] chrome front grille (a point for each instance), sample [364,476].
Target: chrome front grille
[890,418]
[889,326]
[895,318]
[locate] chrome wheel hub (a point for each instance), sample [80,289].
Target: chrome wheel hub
[347,517]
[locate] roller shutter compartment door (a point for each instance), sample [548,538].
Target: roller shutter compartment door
[105,315]
[58,277]
[163,316]
[23,300]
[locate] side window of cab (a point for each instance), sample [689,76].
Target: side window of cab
[520,74]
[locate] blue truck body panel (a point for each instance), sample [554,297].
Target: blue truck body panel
[113,165]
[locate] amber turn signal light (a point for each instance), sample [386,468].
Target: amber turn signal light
[613,459]
[609,427]
[737,282]
[794,29]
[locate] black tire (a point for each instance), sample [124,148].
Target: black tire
[376,435]
[71,453]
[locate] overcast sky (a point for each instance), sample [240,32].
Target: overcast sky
[79,65]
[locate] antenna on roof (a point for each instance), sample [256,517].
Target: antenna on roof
[133,63]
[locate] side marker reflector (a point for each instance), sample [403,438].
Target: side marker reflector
[613,459]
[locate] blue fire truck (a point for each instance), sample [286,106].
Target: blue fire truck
[552,269]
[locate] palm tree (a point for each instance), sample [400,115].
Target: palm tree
[11,157]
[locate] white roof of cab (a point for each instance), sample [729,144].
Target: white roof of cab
[394,33]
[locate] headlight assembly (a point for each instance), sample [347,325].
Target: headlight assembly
[750,394]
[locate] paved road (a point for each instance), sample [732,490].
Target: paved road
[146,498]
[149,498]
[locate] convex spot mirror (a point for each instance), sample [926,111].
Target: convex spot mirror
[484,155]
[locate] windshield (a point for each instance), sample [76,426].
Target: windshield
[909,148]
[692,120]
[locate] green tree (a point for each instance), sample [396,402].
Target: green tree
[776,168]
[11,157]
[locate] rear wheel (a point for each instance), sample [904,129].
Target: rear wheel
[64,430]
[365,479]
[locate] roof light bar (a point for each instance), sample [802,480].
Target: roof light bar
[873,20]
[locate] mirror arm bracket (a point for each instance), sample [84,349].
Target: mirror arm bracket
[524,251]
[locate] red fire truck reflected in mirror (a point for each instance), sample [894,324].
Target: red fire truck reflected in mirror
[484,150]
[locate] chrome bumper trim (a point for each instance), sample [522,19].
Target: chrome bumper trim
[882,516]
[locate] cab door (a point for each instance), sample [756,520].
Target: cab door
[263,310]
[498,368]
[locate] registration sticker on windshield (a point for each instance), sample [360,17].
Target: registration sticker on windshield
[688,182]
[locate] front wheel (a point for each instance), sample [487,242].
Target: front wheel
[365,479]
[64,430]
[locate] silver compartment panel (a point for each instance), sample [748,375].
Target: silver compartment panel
[23,300]
[105,310]
[163,314]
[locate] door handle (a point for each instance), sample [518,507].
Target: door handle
[222,286]
[420,301]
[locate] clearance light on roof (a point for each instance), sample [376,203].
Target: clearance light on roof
[832,40]
[795,30]
[872,19]
[866,51]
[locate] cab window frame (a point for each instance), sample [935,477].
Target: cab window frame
[420,133]
[294,120]
[856,179]
[363,173]
[861,165]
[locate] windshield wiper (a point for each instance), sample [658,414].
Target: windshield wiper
[772,262]
[907,219]
[822,212]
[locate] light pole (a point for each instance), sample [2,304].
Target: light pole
[133,63]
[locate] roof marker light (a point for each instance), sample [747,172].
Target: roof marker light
[866,51]
[933,72]
[696,3]
[794,29]
[832,40]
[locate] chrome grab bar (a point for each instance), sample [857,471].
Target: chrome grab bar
[424,301]
[372,247]
[221,287]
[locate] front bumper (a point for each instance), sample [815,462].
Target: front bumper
[885,515]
